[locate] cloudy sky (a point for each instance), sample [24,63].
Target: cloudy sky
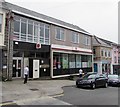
[98,17]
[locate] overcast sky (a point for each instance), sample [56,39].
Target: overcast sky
[98,17]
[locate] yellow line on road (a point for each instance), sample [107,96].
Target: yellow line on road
[59,95]
[10,103]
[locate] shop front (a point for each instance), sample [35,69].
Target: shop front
[27,54]
[66,63]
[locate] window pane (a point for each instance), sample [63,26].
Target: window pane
[62,34]
[1,19]
[78,61]
[65,61]
[41,31]
[30,29]
[23,28]
[57,33]
[16,26]
[71,61]
[46,33]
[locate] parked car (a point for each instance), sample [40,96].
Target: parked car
[113,80]
[92,80]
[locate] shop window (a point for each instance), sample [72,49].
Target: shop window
[65,61]
[71,61]
[86,61]
[78,61]
[56,61]
[1,21]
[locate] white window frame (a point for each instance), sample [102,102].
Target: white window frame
[1,23]
[87,41]
[61,30]
[76,37]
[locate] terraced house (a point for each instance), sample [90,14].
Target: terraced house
[102,56]
[49,46]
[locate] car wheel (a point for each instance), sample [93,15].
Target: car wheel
[93,86]
[106,85]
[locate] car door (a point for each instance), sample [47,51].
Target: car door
[98,80]
[102,80]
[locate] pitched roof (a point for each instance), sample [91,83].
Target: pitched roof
[24,11]
[99,42]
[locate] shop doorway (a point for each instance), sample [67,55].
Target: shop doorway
[17,67]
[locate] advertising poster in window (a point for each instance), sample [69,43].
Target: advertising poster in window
[65,61]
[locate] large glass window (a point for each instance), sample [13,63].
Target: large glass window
[59,33]
[17,26]
[86,61]
[35,33]
[57,61]
[75,37]
[1,21]
[71,61]
[47,33]
[78,61]
[23,30]
[16,29]
[41,33]
[65,61]
[30,31]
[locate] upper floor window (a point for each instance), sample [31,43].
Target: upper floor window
[94,52]
[1,21]
[109,54]
[60,33]
[31,31]
[75,37]
[102,53]
[87,40]
[105,53]
[115,59]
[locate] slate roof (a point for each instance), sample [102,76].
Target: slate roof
[45,17]
[99,42]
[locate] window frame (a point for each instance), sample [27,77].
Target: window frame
[62,30]
[1,30]
[76,37]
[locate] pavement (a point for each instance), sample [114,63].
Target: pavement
[35,90]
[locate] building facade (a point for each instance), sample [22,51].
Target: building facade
[102,56]
[49,47]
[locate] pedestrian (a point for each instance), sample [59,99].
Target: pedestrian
[80,73]
[26,72]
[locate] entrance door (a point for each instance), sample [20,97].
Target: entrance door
[17,67]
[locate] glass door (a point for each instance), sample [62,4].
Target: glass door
[17,67]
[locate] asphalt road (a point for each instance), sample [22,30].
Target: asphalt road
[99,96]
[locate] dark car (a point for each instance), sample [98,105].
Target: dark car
[113,80]
[92,80]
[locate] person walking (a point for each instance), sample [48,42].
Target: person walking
[26,72]
[80,73]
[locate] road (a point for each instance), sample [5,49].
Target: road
[99,96]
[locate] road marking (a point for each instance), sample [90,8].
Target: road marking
[59,95]
[10,103]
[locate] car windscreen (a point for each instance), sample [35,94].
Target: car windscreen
[89,76]
[113,76]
